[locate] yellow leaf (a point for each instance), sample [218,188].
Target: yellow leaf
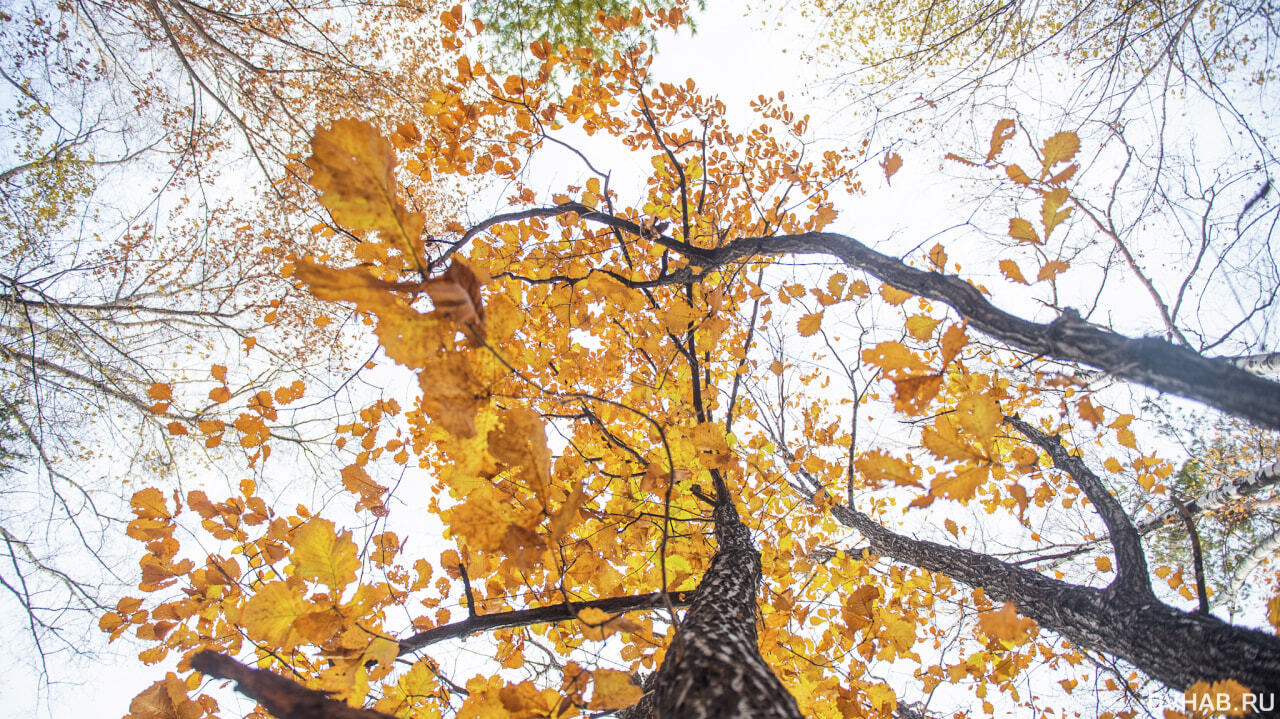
[883,698]
[1059,148]
[1010,270]
[1001,134]
[980,416]
[944,442]
[877,466]
[1051,270]
[895,359]
[709,439]
[1051,211]
[1020,229]
[269,615]
[353,166]
[613,690]
[810,324]
[521,442]
[953,340]
[913,394]
[1102,563]
[1126,438]
[960,485]
[951,527]
[1005,624]
[321,554]
[921,326]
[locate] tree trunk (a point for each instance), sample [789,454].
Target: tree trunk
[714,667]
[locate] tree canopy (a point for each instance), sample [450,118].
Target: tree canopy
[668,435]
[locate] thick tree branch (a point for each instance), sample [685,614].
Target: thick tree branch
[1174,647]
[539,615]
[281,697]
[1150,361]
[1131,563]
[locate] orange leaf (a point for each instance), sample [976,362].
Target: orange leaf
[953,340]
[980,416]
[161,391]
[1051,211]
[891,164]
[893,295]
[1011,271]
[913,394]
[810,324]
[1001,134]
[1016,174]
[220,394]
[219,373]
[1005,624]
[1051,270]
[921,326]
[938,257]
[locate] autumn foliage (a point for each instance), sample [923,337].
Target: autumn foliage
[585,359]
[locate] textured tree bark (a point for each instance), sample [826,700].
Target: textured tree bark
[714,667]
[281,697]
[1174,647]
